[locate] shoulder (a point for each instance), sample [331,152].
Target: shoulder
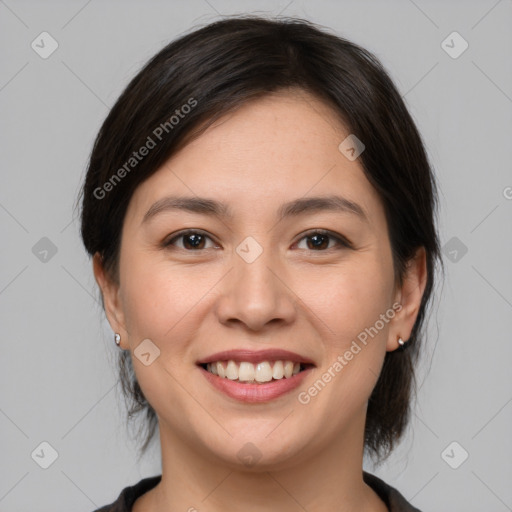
[389,495]
[129,495]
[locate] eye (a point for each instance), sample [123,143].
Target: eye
[195,240]
[191,239]
[320,240]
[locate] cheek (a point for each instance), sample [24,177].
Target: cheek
[158,305]
[155,294]
[359,313]
[166,303]
[350,298]
[355,341]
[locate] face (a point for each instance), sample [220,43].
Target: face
[271,285]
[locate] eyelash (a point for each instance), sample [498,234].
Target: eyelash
[342,242]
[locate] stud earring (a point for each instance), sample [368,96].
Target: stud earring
[117,339]
[401,342]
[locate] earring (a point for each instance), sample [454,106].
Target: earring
[401,342]
[117,339]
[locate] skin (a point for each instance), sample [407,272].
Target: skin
[314,301]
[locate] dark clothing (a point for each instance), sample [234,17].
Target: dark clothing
[389,495]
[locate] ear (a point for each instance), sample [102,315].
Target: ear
[111,299]
[409,295]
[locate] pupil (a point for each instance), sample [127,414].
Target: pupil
[196,240]
[317,243]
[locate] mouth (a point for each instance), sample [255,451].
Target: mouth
[255,376]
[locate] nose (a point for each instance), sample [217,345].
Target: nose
[256,295]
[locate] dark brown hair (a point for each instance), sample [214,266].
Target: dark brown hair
[218,68]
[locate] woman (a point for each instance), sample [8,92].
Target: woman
[260,211]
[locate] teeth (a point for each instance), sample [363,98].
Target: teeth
[288,369]
[278,371]
[248,372]
[245,372]
[263,372]
[232,370]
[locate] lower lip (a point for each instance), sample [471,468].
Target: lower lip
[255,392]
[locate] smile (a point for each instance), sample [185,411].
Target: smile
[255,376]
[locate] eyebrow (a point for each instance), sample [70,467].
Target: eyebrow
[213,208]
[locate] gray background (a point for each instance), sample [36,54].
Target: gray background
[58,380]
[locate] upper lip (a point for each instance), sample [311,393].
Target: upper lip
[258,356]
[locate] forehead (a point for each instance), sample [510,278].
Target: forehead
[269,151]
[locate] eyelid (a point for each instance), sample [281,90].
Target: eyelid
[175,236]
[342,241]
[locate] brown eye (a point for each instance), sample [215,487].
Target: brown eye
[319,240]
[191,240]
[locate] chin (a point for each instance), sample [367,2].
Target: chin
[261,450]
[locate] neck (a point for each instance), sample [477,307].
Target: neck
[330,481]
